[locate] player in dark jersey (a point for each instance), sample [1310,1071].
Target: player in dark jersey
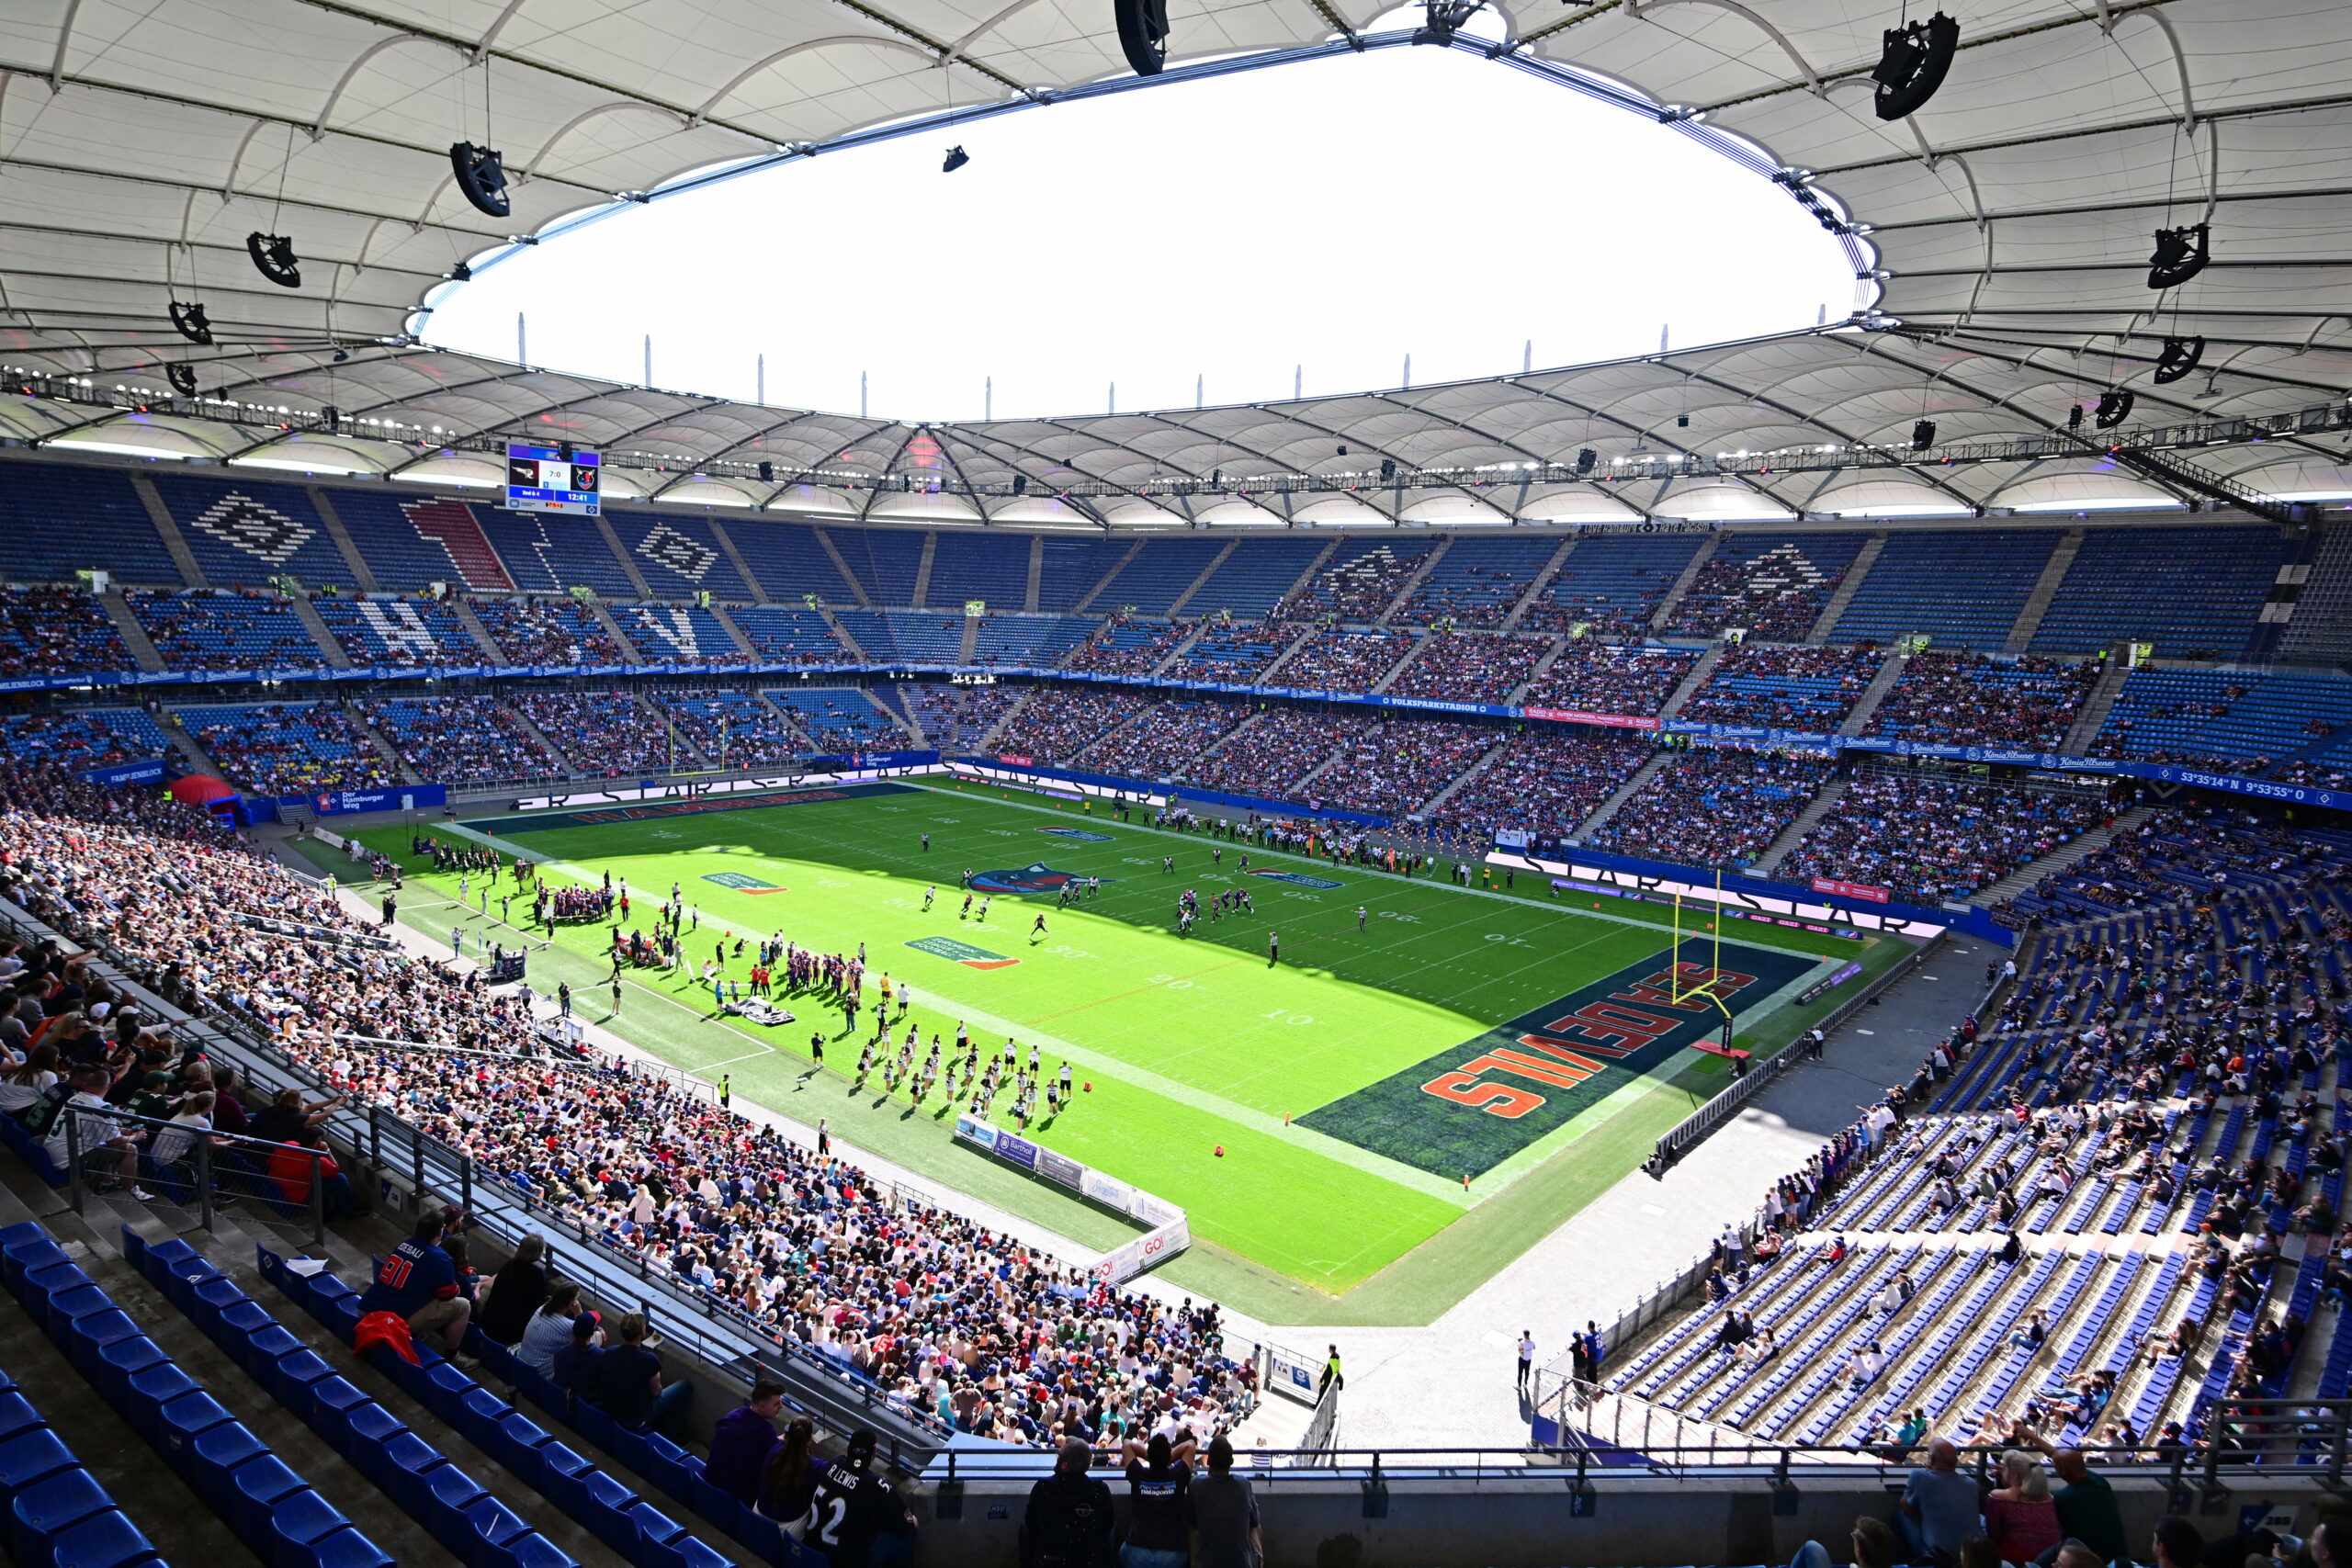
[856,1520]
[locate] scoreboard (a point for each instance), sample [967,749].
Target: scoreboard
[545,479]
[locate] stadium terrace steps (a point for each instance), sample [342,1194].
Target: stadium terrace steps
[2321,632]
[557,762]
[1865,558]
[1639,781]
[1535,588]
[2022,879]
[790,720]
[166,525]
[1412,585]
[134,636]
[919,595]
[735,557]
[1790,836]
[968,648]
[840,564]
[475,629]
[1421,645]
[332,650]
[1881,683]
[2037,605]
[612,627]
[362,576]
[734,632]
[620,553]
[1430,807]
[1182,645]
[2091,718]
[1688,575]
[841,632]
[1559,645]
[1035,573]
[384,747]
[1176,606]
[1701,674]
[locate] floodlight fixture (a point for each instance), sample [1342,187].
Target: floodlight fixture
[2180,254]
[1911,64]
[190,322]
[1446,18]
[2180,356]
[482,175]
[273,257]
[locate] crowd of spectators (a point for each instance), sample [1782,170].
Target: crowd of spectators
[1927,840]
[946,1316]
[1777,596]
[1059,722]
[733,729]
[72,738]
[212,631]
[1128,648]
[459,739]
[1276,756]
[1784,687]
[547,631]
[1481,594]
[56,631]
[957,718]
[1165,739]
[1343,662]
[603,734]
[1359,589]
[1966,699]
[1714,805]
[1472,666]
[2327,771]
[1544,784]
[1390,768]
[289,748]
[1592,676]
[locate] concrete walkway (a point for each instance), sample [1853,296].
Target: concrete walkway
[1450,1383]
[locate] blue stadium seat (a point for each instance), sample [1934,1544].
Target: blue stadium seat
[48,1507]
[181,1421]
[253,1493]
[102,1540]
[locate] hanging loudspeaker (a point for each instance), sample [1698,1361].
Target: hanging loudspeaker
[482,176]
[1143,33]
[274,255]
[2181,355]
[2114,407]
[2180,254]
[956,158]
[182,378]
[1585,459]
[191,323]
[1912,64]
[1923,435]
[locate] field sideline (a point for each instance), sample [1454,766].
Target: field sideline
[1350,1088]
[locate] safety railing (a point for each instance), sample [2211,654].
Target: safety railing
[285,1186]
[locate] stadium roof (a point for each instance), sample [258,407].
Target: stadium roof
[2006,226]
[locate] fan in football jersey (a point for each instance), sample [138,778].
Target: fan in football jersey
[856,1520]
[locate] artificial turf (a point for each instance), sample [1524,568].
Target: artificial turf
[1327,1202]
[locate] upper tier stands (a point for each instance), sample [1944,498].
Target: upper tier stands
[213,631]
[1151,580]
[2195,592]
[287,748]
[884,561]
[1592,676]
[460,739]
[734,729]
[1963,587]
[1037,642]
[1477,582]
[1360,581]
[1927,839]
[53,631]
[1128,647]
[1469,667]
[678,557]
[1784,687]
[988,566]
[83,738]
[789,561]
[1615,581]
[1251,581]
[552,554]
[243,533]
[839,719]
[1774,584]
[411,541]
[57,519]
[1714,806]
[915,637]
[796,636]
[2209,717]
[1543,783]
[683,634]
[554,631]
[398,631]
[1969,700]
[1238,653]
[1070,570]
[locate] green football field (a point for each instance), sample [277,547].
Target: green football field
[1403,1102]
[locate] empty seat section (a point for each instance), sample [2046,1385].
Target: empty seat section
[1070,569]
[678,634]
[2196,593]
[884,559]
[1479,581]
[872,631]
[838,717]
[412,541]
[1251,581]
[927,636]
[1613,584]
[788,561]
[217,631]
[1158,574]
[57,519]
[1774,584]
[677,556]
[547,553]
[399,631]
[1963,587]
[1037,642]
[988,566]
[2227,718]
[792,636]
[243,533]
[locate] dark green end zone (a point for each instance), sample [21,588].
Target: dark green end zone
[644,810]
[1466,1110]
